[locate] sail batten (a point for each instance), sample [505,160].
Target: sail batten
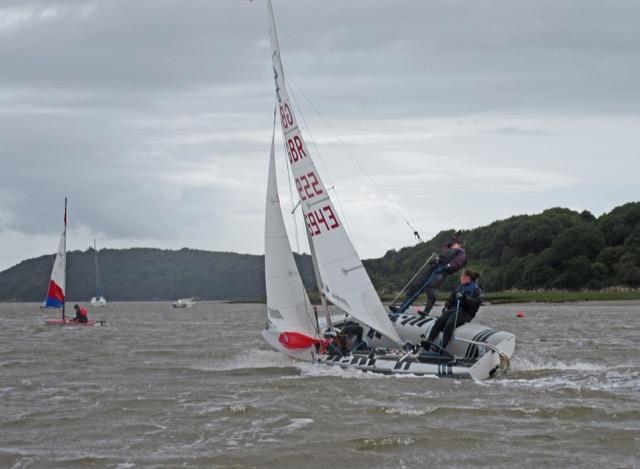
[343,277]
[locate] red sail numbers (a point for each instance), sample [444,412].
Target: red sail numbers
[320,220]
[294,146]
[307,186]
[285,116]
[295,149]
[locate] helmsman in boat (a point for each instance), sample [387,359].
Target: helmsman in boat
[347,340]
[461,307]
[82,315]
[452,258]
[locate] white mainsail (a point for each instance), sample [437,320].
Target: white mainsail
[345,280]
[57,284]
[288,306]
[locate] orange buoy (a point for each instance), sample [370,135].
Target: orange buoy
[519,314]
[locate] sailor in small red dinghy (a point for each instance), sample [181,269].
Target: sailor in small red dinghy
[82,315]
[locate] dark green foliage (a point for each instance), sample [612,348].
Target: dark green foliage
[530,237]
[538,272]
[581,240]
[558,248]
[576,273]
[619,223]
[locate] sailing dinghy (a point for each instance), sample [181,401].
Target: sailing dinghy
[56,294]
[99,299]
[293,325]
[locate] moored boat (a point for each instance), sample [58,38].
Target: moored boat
[185,303]
[98,300]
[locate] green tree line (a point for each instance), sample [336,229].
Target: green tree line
[558,248]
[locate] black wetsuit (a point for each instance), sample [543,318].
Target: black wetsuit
[353,329]
[430,280]
[466,299]
[342,345]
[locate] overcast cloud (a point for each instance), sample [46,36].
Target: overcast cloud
[154,117]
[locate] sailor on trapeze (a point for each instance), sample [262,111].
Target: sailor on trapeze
[449,261]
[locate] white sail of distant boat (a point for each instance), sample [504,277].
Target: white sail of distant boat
[99,299]
[57,283]
[288,305]
[343,278]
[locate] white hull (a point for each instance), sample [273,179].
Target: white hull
[473,359]
[97,302]
[184,303]
[414,328]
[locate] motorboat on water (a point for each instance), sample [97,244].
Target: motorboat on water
[389,342]
[185,303]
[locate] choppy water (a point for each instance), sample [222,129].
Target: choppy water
[160,387]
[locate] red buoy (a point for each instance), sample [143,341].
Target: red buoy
[519,314]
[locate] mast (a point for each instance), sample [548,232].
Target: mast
[64,287]
[343,279]
[316,270]
[98,289]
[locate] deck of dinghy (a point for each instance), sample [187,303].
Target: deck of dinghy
[425,364]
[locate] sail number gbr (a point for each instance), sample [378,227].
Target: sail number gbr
[295,149]
[321,220]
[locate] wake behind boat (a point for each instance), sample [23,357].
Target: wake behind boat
[380,343]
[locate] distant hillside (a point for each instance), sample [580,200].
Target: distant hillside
[147,274]
[558,248]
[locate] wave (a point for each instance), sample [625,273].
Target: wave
[248,360]
[541,363]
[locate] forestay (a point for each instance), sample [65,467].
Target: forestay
[345,282]
[288,305]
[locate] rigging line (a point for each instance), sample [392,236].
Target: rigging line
[332,186]
[391,203]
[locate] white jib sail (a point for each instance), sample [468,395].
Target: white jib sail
[56,291]
[288,306]
[344,278]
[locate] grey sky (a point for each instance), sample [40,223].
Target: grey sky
[154,117]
